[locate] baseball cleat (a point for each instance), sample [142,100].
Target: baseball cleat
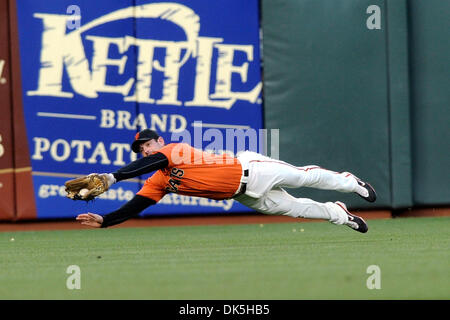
[372,196]
[369,192]
[354,222]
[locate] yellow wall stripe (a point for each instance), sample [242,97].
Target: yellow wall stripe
[16,170]
[54,174]
[73,176]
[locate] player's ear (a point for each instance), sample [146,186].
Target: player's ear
[161,140]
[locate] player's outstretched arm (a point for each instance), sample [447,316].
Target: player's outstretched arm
[128,210]
[90,219]
[141,166]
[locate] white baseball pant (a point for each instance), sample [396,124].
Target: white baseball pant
[268,177]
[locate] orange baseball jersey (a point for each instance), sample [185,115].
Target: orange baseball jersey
[194,172]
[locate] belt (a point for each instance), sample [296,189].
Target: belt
[243,186]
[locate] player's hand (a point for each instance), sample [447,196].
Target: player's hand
[90,219]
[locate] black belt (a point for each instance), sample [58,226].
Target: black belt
[243,186]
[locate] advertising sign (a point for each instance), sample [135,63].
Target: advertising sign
[94,73]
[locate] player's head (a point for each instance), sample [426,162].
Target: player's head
[146,142]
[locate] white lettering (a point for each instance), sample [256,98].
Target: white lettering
[225,69]
[120,147]
[171,74]
[122,119]
[61,51]
[191,310]
[374,20]
[100,60]
[74,21]
[203,76]
[176,199]
[144,71]
[157,121]
[61,150]
[120,194]
[174,119]
[140,122]
[374,281]
[40,145]
[65,150]
[74,280]
[80,145]
[108,118]
[99,151]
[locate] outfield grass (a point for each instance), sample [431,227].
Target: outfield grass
[274,261]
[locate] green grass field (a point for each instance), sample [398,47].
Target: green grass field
[243,262]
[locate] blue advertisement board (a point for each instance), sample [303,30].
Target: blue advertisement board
[94,73]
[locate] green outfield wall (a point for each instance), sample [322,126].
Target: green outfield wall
[362,86]
[430,100]
[350,85]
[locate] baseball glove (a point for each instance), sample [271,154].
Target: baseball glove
[87,187]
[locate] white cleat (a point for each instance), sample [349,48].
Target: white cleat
[354,222]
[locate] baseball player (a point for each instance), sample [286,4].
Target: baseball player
[252,179]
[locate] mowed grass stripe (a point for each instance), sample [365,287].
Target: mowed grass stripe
[274,261]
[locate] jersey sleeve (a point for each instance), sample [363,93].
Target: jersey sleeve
[177,153]
[128,210]
[141,166]
[153,187]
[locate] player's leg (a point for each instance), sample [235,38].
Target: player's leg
[279,202]
[269,173]
[266,173]
[320,178]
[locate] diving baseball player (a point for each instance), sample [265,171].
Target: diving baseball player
[254,180]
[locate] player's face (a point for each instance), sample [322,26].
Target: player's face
[151,146]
